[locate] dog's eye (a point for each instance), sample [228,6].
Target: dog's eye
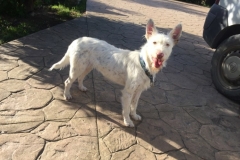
[167,44]
[154,42]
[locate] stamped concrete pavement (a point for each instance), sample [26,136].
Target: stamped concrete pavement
[184,117]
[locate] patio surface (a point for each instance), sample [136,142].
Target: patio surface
[184,117]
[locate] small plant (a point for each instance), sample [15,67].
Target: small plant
[64,11]
[9,31]
[12,8]
[15,22]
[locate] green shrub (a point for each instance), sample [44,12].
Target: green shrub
[21,7]
[12,7]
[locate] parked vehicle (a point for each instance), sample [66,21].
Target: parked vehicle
[222,32]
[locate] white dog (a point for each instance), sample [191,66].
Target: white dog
[135,70]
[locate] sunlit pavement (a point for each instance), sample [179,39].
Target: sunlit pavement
[184,117]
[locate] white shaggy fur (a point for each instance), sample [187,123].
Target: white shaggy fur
[119,65]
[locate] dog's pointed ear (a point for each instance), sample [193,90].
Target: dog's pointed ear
[176,33]
[150,29]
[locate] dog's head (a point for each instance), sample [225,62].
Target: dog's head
[159,46]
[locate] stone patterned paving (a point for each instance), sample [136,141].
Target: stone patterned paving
[184,117]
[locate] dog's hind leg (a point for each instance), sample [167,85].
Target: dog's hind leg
[134,104]
[81,78]
[68,83]
[126,102]
[76,69]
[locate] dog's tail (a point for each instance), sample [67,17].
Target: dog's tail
[62,63]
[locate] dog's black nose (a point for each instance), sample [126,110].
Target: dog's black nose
[160,55]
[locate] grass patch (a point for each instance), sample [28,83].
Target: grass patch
[13,27]
[64,11]
[10,31]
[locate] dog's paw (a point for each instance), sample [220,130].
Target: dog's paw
[128,123]
[82,88]
[136,117]
[67,96]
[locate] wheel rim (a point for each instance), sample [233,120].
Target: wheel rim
[230,69]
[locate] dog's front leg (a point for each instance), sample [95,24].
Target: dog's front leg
[126,102]
[134,104]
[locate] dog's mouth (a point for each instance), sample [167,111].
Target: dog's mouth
[157,62]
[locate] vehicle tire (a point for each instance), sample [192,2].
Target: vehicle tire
[226,68]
